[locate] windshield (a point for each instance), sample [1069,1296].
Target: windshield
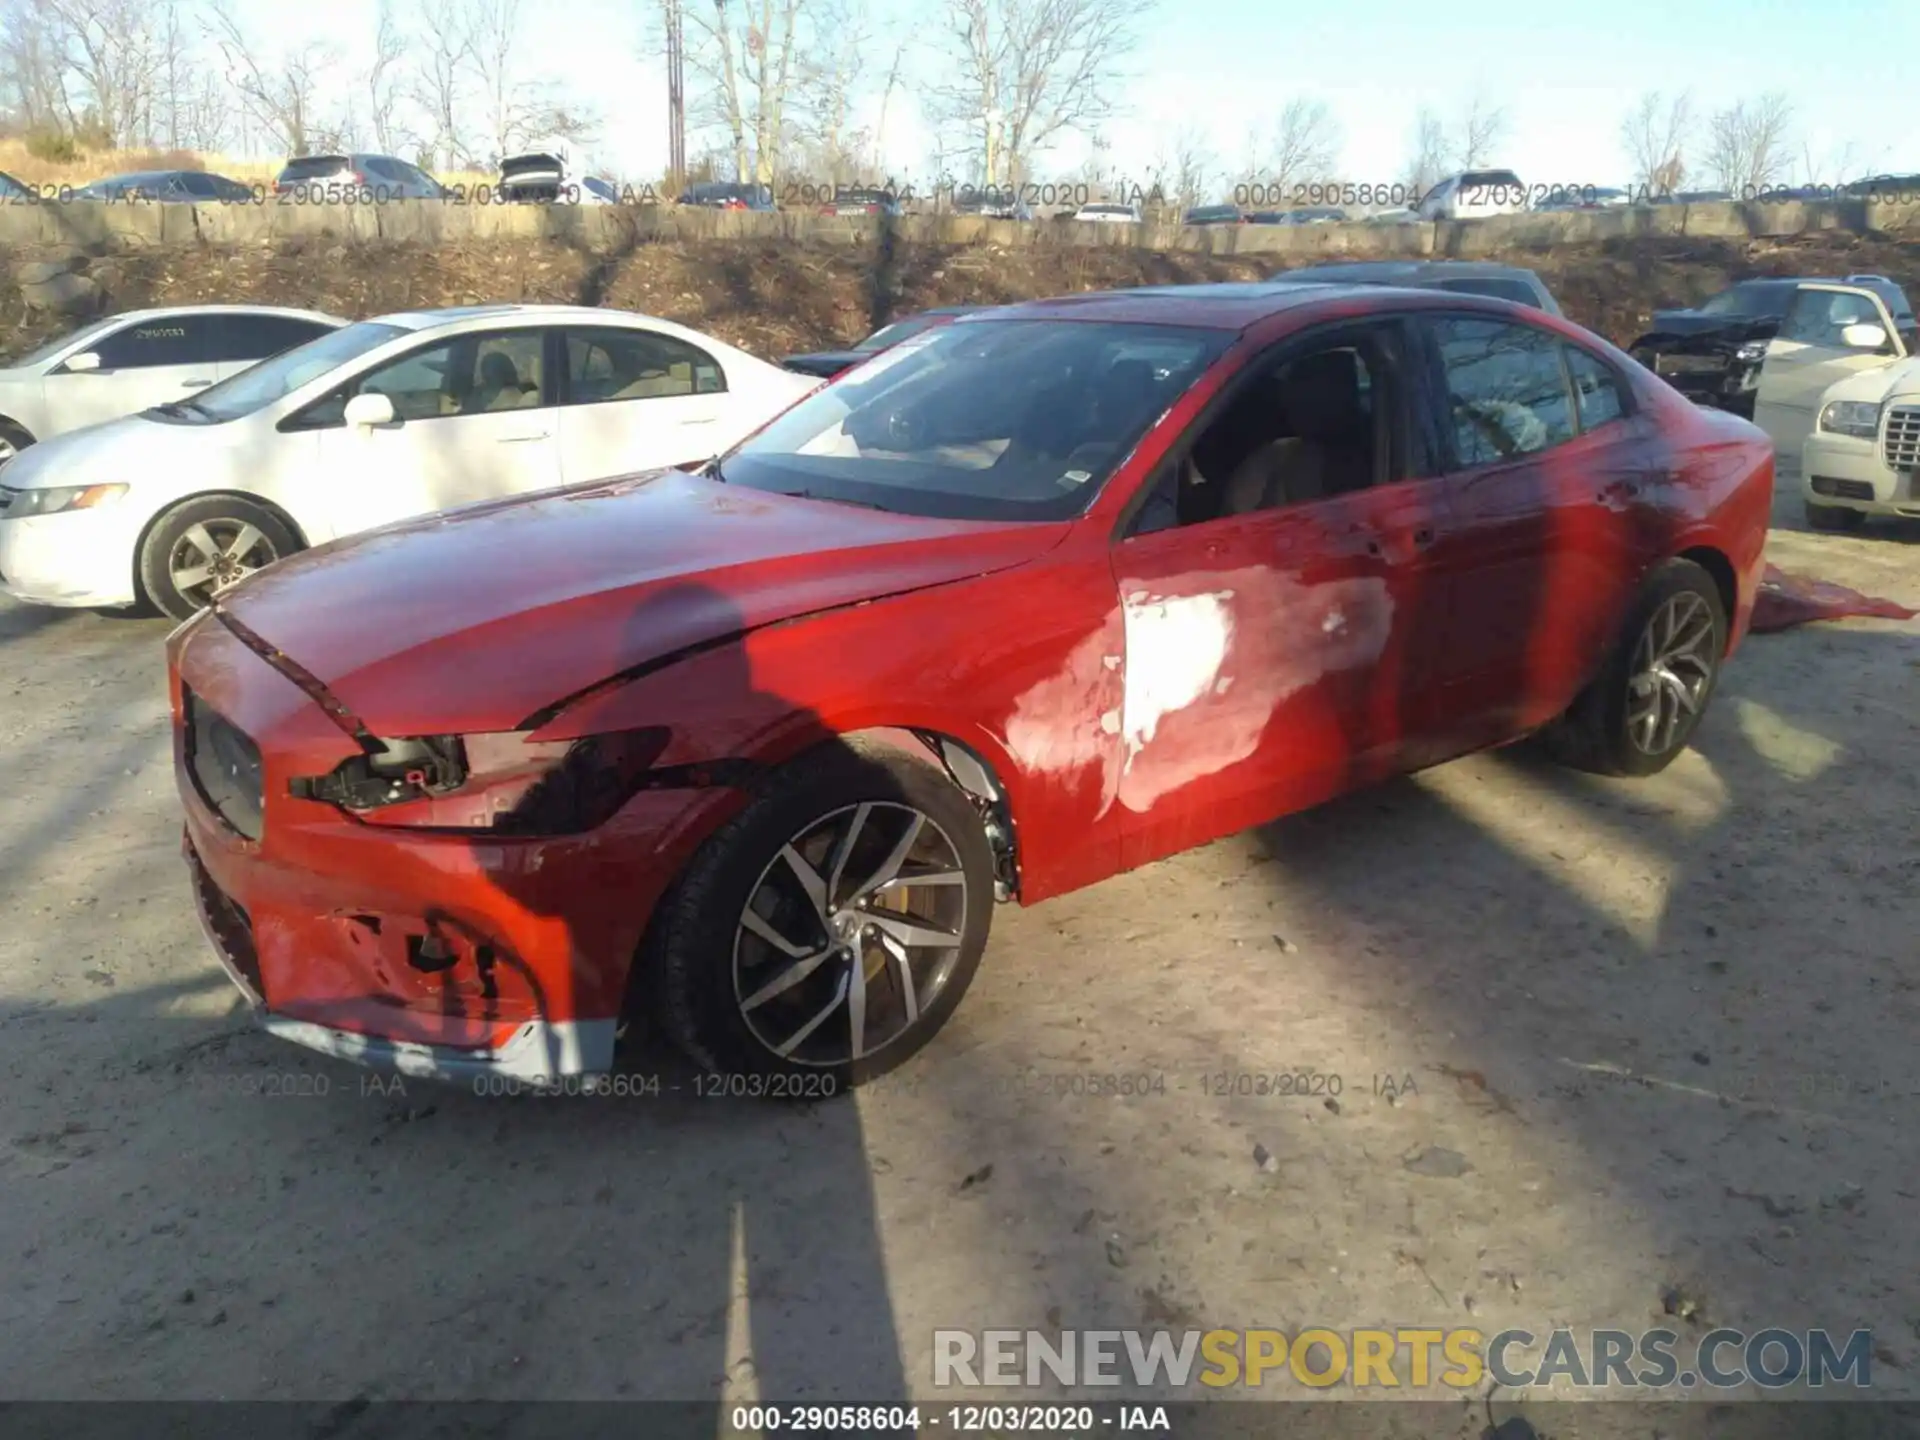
[981,420]
[288,371]
[1749,300]
[893,334]
[40,354]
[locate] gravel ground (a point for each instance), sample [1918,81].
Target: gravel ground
[1660,1039]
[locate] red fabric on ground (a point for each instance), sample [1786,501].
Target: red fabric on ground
[1788,600]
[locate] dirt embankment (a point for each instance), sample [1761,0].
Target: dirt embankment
[776,298]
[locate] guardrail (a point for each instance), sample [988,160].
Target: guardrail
[594,226]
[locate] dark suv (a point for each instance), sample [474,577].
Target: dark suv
[388,177]
[1712,352]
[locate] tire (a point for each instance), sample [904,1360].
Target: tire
[1834,517]
[223,519]
[708,974]
[13,440]
[1598,733]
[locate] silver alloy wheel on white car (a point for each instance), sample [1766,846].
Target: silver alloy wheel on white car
[1672,670]
[861,914]
[213,555]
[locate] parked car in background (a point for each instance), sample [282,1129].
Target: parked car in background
[770,732]
[1862,456]
[728,195]
[1266,217]
[1591,197]
[1463,277]
[1312,215]
[1474,195]
[1397,215]
[545,177]
[1892,189]
[1108,213]
[1214,215]
[127,362]
[1012,208]
[317,178]
[828,363]
[172,187]
[862,200]
[1712,352]
[374,422]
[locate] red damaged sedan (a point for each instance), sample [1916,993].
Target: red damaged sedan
[1034,598]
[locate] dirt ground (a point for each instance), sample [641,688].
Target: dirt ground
[1661,1038]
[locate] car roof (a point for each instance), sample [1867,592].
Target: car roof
[577,314]
[1223,305]
[163,312]
[1376,272]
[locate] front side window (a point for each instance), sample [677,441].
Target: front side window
[276,378]
[41,354]
[172,340]
[1507,391]
[467,375]
[983,420]
[636,365]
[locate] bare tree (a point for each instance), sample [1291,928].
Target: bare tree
[1185,168]
[111,52]
[1427,164]
[829,88]
[1747,144]
[1302,144]
[33,66]
[384,78]
[749,57]
[1481,127]
[1655,136]
[442,42]
[1023,73]
[518,109]
[282,92]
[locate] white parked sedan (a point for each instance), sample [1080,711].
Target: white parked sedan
[125,363]
[376,422]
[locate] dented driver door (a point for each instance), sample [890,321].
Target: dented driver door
[1272,661]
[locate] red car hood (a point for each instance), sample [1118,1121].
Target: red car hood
[476,620]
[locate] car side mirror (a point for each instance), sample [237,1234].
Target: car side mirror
[84,362]
[368,411]
[1864,337]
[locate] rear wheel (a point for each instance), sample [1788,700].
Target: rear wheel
[829,930]
[1653,689]
[198,550]
[1834,517]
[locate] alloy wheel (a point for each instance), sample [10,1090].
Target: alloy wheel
[1673,665]
[850,933]
[213,555]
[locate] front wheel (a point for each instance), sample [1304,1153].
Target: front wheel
[13,440]
[832,927]
[199,549]
[1651,692]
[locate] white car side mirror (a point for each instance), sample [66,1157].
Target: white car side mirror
[369,410]
[1864,337]
[85,361]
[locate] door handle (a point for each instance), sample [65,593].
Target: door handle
[709,420]
[194,384]
[519,439]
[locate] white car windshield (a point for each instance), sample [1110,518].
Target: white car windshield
[286,372]
[981,420]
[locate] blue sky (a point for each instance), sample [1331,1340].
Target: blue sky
[1565,74]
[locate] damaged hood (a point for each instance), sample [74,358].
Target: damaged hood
[477,619]
[1691,332]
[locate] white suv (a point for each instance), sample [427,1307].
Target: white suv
[1474,195]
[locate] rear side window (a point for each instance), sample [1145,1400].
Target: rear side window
[1820,317]
[1596,388]
[175,340]
[636,365]
[1507,392]
[255,337]
[312,167]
